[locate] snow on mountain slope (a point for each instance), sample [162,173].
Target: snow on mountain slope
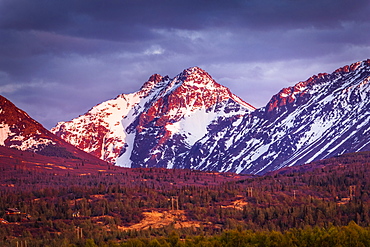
[157,124]
[190,121]
[101,131]
[19,131]
[327,115]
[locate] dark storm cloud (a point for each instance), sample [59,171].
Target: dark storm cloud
[130,19]
[59,58]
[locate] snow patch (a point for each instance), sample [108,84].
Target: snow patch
[4,133]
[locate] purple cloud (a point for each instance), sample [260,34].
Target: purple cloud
[59,58]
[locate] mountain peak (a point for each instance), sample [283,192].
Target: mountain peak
[196,75]
[164,118]
[155,80]
[301,91]
[194,70]
[13,116]
[191,121]
[324,116]
[18,130]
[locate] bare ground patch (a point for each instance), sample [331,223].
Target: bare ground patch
[156,219]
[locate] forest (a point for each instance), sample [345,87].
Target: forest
[324,203]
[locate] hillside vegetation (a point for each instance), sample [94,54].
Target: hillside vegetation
[73,203]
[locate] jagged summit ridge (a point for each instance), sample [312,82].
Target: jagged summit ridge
[326,115]
[154,125]
[191,121]
[181,114]
[313,85]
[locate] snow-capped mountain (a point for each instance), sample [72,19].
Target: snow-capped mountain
[18,130]
[324,116]
[190,121]
[157,125]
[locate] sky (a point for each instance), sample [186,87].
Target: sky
[60,58]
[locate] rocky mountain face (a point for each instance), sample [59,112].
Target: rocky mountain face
[324,116]
[19,131]
[191,121]
[157,125]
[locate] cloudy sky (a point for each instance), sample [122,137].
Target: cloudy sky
[60,58]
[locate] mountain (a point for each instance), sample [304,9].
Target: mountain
[158,125]
[19,131]
[192,122]
[324,116]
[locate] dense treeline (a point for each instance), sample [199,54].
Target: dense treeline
[350,235]
[51,150]
[322,204]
